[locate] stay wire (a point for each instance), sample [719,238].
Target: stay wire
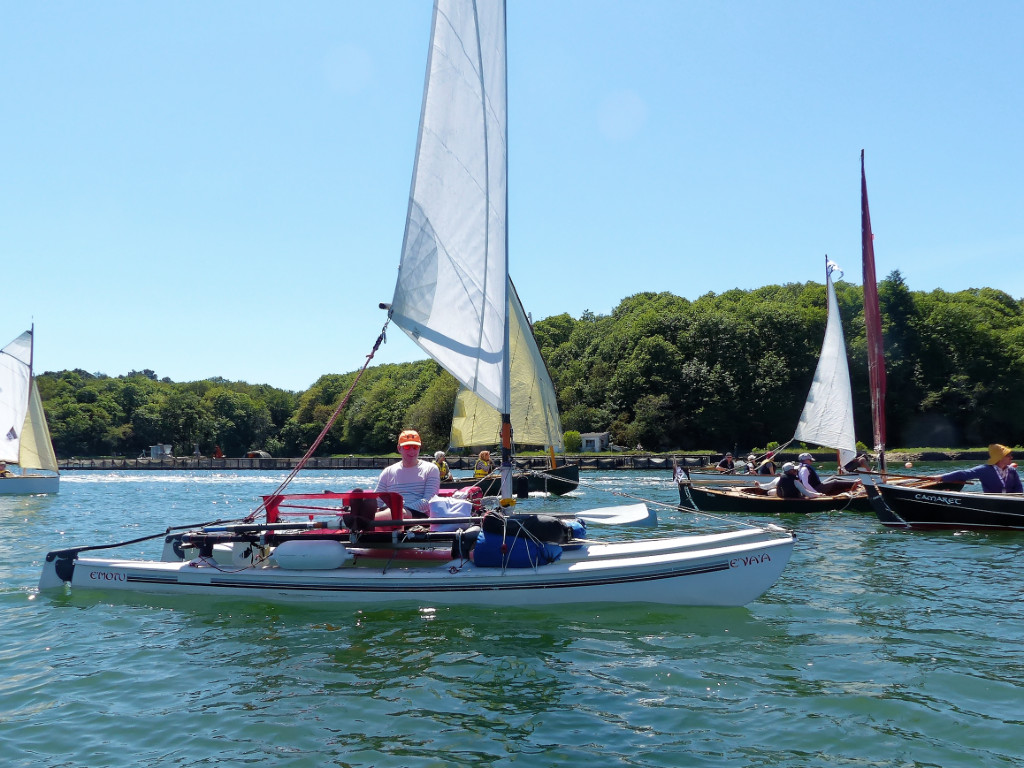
[382,338]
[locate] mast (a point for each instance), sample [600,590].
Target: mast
[872,323]
[506,373]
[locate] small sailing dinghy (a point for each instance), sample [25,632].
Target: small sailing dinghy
[24,436]
[452,299]
[826,420]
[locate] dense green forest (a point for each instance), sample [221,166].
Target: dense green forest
[727,370]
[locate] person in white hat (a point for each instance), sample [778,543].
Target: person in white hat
[807,474]
[790,485]
[442,466]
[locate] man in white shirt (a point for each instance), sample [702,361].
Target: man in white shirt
[417,481]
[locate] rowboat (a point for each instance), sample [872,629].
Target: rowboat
[839,496]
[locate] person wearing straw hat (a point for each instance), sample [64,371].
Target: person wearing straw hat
[997,475]
[418,481]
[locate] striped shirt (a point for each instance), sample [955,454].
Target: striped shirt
[416,484]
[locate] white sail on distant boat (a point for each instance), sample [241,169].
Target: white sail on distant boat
[24,437]
[827,418]
[453,299]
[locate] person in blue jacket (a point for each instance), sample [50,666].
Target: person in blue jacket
[996,476]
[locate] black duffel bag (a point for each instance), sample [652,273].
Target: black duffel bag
[545,528]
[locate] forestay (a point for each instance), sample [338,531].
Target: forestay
[451,296]
[827,418]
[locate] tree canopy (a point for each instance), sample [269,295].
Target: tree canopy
[725,370]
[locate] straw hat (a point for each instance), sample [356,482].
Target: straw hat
[997,453]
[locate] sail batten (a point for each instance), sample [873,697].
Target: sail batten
[827,418]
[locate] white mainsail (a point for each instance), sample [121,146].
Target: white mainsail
[24,437]
[534,406]
[827,418]
[451,295]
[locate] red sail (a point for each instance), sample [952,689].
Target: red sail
[872,321]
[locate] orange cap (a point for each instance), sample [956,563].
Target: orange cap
[409,437]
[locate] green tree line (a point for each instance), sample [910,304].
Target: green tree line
[723,371]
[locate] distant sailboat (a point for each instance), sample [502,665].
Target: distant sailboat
[534,410]
[826,421]
[24,436]
[827,418]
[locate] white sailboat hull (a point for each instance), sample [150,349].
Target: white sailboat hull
[729,569]
[21,485]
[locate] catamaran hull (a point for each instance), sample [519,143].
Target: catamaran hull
[22,485]
[722,570]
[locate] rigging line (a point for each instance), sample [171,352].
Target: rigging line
[330,423]
[165,532]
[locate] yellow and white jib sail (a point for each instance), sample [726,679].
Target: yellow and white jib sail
[827,418]
[24,436]
[534,406]
[451,294]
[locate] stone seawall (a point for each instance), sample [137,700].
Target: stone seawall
[584,461]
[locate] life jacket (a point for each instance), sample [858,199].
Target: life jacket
[446,473]
[481,469]
[787,487]
[812,476]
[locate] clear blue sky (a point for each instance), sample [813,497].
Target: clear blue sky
[219,188]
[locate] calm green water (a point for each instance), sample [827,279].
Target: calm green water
[876,648]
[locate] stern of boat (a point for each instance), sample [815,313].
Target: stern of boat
[58,569]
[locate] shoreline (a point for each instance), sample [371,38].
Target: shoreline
[583,461]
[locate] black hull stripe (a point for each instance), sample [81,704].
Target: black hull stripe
[417,589]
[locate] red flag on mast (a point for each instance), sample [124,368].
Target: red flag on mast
[872,322]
